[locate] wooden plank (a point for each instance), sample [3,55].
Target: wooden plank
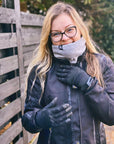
[20,141]
[19,39]
[30,39]
[23,88]
[31,136]
[9,111]
[7,15]
[30,35]
[30,48]
[8,88]
[8,40]
[11,133]
[31,19]
[26,69]
[8,64]
[35,139]
[27,58]
[31,29]
[20,58]
[109,127]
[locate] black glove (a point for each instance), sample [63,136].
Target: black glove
[74,75]
[52,115]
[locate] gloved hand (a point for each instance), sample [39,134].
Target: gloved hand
[52,115]
[73,75]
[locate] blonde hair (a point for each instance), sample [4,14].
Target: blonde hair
[43,57]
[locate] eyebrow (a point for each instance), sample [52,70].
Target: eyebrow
[65,27]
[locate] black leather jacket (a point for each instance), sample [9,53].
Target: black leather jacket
[95,106]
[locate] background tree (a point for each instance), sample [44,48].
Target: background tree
[100,14]
[102,30]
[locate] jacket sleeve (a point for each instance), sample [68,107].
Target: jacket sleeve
[32,105]
[101,99]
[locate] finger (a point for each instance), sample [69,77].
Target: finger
[61,70]
[65,117]
[65,66]
[58,109]
[64,112]
[62,79]
[52,103]
[61,121]
[62,75]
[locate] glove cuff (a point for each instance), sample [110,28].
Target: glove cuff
[87,84]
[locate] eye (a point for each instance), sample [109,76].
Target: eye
[55,34]
[69,30]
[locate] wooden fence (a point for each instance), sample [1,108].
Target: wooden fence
[16,47]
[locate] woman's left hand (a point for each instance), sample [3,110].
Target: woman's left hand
[73,75]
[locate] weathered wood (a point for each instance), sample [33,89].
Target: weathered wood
[35,141]
[20,59]
[27,58]
[8,40]
[31,19]
[30,39]
[30,48]
[31,29]
[23,96]
[8,88]
[19,39]
[9,111]
[109,127]
[32,136]
[8,64]
[11,133]
[7,16]
[20,141]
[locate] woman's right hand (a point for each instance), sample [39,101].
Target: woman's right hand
[53,116]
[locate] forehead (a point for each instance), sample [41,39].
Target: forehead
[61,22]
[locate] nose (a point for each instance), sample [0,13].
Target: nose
[64,37]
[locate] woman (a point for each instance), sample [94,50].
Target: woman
[70,85]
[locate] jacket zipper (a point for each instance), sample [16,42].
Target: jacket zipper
[69,101]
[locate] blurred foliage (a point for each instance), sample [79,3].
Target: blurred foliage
[102,30]
[41,6]
[99,13]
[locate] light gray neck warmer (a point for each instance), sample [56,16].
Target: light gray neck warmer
[70,51]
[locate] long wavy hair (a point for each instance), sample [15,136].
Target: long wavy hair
[43,56]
